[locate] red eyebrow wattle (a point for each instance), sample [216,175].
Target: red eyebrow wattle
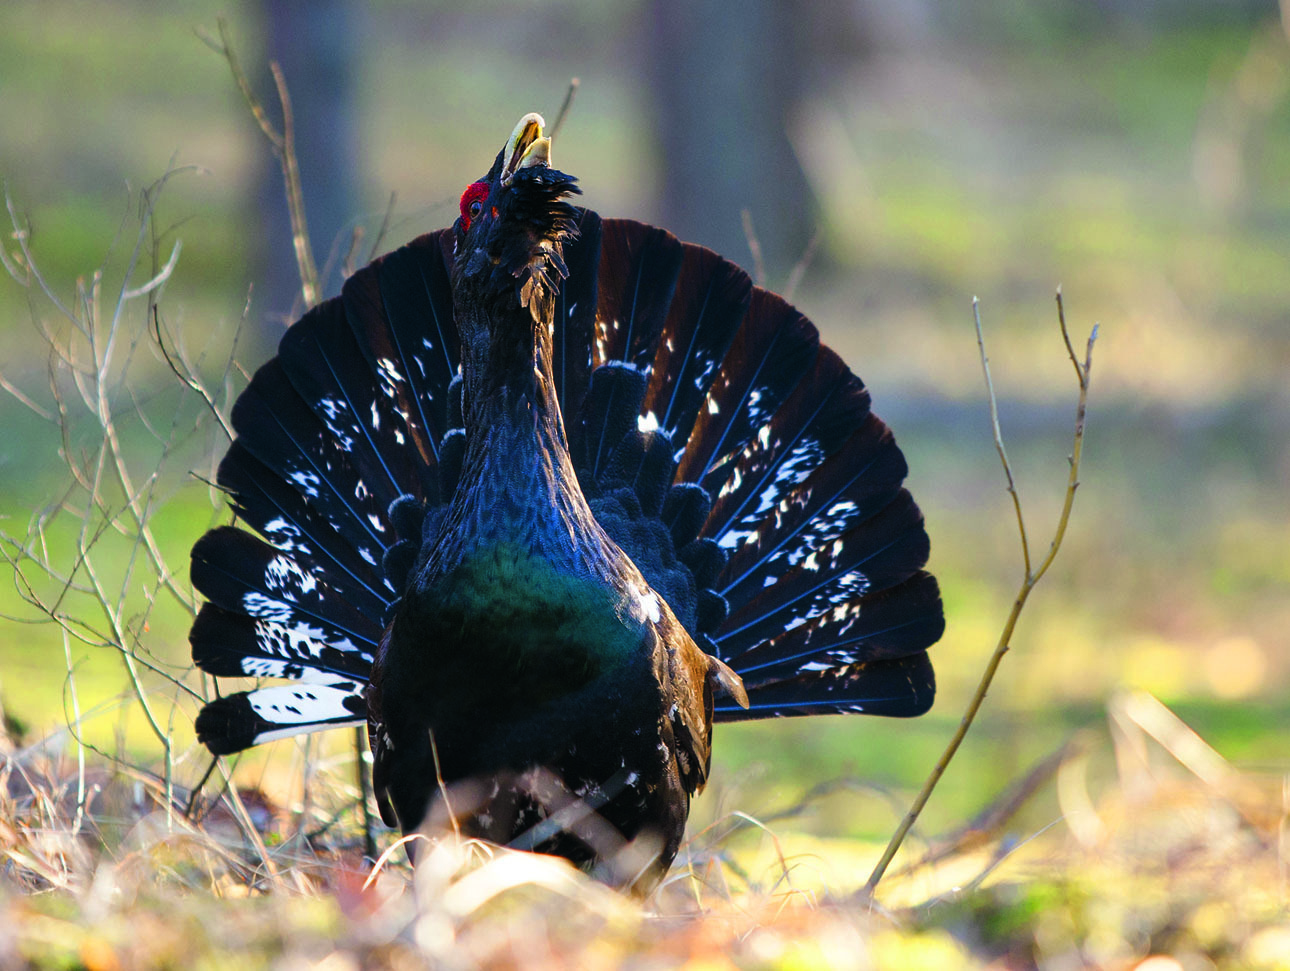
[476,190]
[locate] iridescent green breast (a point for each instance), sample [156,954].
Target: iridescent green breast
[508,624]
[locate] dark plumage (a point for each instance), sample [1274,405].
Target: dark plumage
[543,496]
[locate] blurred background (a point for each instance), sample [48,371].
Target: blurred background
[921,152]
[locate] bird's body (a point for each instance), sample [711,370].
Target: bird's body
[616,472]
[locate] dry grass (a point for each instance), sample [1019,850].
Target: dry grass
[1176,857]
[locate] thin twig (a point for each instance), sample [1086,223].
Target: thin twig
[18,394]
[800,267]
[364,792]
[1082,373]
[284,147]
[379,238]
[998,435]
[310,291]
[563,113]
[443,787]
[349,261]
[754,247]
[188,376]
[993,817]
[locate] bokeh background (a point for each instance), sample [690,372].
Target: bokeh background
[920,152]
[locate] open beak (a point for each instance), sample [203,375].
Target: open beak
[527,146]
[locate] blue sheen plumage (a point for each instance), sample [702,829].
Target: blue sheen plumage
[609,414]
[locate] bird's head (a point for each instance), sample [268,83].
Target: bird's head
[513,224]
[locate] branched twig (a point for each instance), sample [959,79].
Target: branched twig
[1031,578]
[284,147]
[188,374]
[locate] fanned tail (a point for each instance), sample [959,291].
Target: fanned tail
[783,498]
[729,454]
[346,424]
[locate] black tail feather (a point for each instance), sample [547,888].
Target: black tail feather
[639,266]
[805,491]
[712,297]
[239,721]
[816,420]
[345,421]
[273,507]
[241,573]
[575,316]
[801,518]
[388,453]
[902,688]
[878,553]
[228,644]
[277,427]
[771,352]
[881,626]
[401,316]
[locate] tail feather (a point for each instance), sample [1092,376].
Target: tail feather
[795,519]
[815,421]
[229,644]
[881,626]
[879,553]
[773,349]
[401,317]
[271,505]
[575,315]
[276,426]
[382,444]
[238,721]
[639,267]
[804,484]
[241,573]
[903,688]
[712,297]
[330,433]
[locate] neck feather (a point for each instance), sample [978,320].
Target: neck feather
[507,375]
[517,482]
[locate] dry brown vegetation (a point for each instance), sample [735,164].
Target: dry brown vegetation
[1175,862]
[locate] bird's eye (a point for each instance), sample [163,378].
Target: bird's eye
[472,202]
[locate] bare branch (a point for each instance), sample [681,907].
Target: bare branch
[379,238]
[998,437]
[563,113]
[310,291]
[1023,593]
[754,247]
[801,266]
[284,147]
[158,280]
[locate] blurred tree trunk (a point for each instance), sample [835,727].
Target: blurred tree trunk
[726,79]
[317,44]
